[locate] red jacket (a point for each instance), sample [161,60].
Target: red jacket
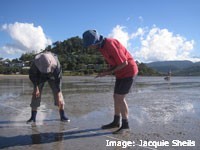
[115,54]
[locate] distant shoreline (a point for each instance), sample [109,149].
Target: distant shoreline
[20,76]
[17,76]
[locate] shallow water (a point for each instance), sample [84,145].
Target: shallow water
[158,109]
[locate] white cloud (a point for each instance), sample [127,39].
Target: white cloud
[161,44]
[155,44]
[11,49]
[26,38]
[139,33]
[119,33]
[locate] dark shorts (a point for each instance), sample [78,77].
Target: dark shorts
[123,86]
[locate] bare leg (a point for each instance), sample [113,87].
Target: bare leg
[121,106]
[117,112]
[117,109]
[61,105]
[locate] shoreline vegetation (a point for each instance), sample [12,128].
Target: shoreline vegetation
[79,61]
[74,59]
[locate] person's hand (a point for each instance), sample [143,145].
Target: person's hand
[36,92]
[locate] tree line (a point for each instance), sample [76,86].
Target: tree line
[74,59]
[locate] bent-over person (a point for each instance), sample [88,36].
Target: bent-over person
[46,68]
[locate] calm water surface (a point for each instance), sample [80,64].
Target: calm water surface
[157,108]
[151,97]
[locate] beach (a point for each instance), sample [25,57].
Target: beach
[163,115]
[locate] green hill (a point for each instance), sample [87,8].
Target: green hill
[74,59]
[179,68]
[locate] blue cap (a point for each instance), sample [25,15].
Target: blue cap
[91,37]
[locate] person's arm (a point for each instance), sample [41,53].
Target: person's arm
[113,69]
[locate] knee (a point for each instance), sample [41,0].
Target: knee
[119,97]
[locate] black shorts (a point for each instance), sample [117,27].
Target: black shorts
[123,86]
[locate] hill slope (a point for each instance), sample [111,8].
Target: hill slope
[176,67]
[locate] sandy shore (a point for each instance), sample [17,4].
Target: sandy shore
[161,113]
[13,76]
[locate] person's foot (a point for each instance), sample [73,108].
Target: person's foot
[30,121]
[32,118]
[65,119]
[110,126]
[122,131]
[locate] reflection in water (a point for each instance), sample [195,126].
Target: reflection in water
[151,94]
[60,136]
[153,104]
[161,113]
[37,137]
[152,97]
[87,87]
[8,95]
[158,101]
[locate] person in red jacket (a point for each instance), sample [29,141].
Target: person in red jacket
[125,69]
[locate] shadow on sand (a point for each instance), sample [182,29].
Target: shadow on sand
[49,137]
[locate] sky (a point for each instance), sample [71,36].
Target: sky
[152,30]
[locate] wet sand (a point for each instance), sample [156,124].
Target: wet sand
[159,111]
